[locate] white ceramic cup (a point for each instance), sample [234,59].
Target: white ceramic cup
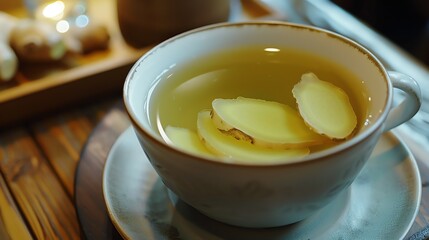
[266,195]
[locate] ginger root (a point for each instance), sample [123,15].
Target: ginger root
[256,131]
[325,107]
[90,38]
[187,140]
[241,151]
[8,58]
[265,123]
[37,41]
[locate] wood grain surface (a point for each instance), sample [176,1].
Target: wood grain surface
[12,225]
[37,164]
[43,201]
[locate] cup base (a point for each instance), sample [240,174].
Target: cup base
[188,210]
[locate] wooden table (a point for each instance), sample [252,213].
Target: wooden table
[44,196]
[38,163]
[51,169]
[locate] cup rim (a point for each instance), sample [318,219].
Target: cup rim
[312,157]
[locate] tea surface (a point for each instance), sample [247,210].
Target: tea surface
[253,72]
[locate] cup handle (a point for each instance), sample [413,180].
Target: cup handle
[409,106]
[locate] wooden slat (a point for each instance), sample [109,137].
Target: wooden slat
[12,226]
[38,192]
[61,139]
[63,136]
[62,143]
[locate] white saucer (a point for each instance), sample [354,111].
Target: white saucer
[381,204]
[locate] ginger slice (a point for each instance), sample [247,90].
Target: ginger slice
[187,140]
[325,107]
[37,41]
[238,150]
[264,123]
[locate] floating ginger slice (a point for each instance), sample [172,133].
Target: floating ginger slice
[187,140]
[238,150]
[264,123]
[325,107]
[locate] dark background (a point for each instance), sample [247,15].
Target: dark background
[404,22]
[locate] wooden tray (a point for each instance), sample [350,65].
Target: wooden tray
[91,210]
[41,88]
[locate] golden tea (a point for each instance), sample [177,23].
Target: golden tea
[258,72]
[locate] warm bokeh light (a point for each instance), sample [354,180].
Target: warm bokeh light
[62,26]
[54,10]
[272,50]
[63,13]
